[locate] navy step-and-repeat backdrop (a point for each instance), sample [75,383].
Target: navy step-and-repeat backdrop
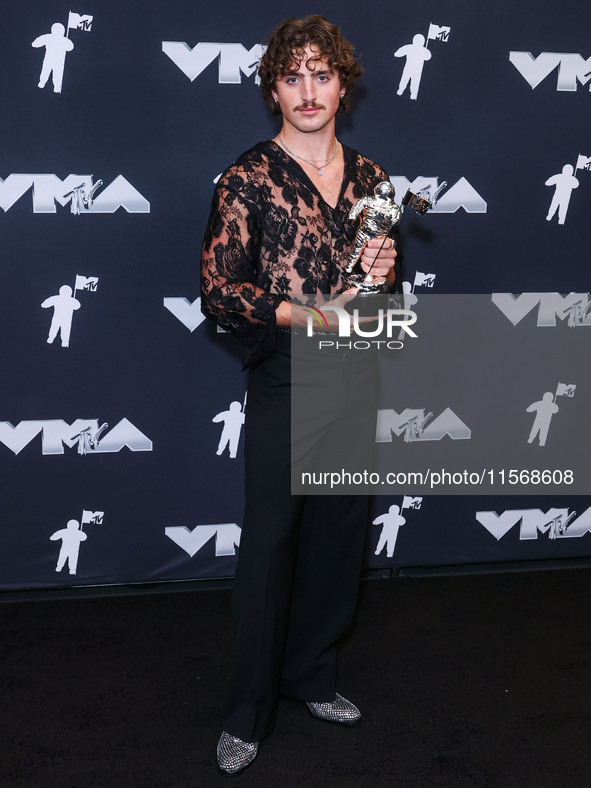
[121,408]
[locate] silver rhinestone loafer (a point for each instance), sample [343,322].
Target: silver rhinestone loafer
[341,711]
[234,755]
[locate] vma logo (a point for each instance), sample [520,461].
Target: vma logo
[416,426]
[461,195]
[77,190]
[85,434]
[573,309]
[557,523]
[188,312]
[572,68]
[233,60]
[227,537]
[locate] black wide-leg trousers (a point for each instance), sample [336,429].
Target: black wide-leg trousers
[298,569]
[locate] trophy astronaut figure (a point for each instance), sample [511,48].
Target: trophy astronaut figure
[380,214]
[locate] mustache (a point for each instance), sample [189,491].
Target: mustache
[310,105]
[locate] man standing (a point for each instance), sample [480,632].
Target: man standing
[278,229]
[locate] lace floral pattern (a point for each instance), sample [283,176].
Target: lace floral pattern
[271,236]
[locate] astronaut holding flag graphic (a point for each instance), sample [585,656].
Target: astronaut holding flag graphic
[417,54]
[57,44]
[233,420]
[64,305]
[72,537]
[564,182]
[545,410]
[391,522]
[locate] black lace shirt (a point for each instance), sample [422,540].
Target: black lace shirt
[271,236]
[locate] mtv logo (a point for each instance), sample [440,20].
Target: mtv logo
[424,280]
[566,390]
[89,283]
[408,502]
[92,518]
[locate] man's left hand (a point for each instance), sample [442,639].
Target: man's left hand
[382,261]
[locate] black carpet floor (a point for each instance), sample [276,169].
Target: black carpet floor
[480,680]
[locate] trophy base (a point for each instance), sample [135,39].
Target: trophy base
[367,284]
[371,292]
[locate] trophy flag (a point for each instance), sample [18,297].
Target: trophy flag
[79,21]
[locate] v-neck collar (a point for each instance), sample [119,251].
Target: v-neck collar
[292,166]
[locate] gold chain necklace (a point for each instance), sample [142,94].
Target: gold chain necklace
[312,163]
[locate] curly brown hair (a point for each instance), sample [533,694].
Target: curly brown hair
[286,46]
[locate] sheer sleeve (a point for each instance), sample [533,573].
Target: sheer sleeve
[229,265]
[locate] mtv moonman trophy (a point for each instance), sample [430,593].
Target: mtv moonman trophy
[380,215]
